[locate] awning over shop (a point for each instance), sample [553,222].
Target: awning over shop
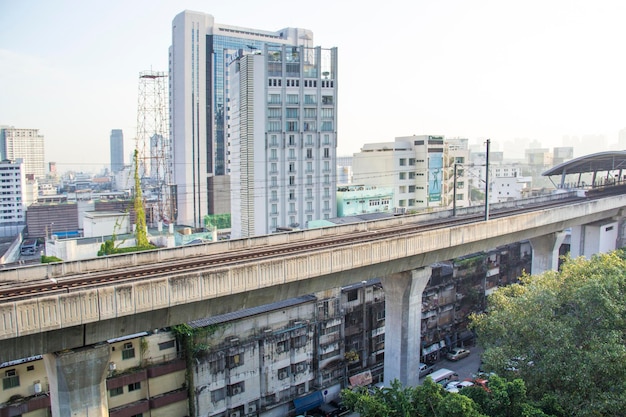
[433,348]
[362,379]
[308,402]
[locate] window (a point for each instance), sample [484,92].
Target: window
[236,389]
[273,154]
[327,126]
[327,113]
[411,175]
[292,113]
[274,99]
[309,153]
[292,167]
[135,386]
[273,113]
[411,161]
[11,379]
[353,295]
[327,99]
[167,345]
[310,99]
[292,194]
[310,113]
[128,352]
[282,346]
[273,126]
[402,162]
[402,175]
[116,391]
[235,360]
[326,153]
[292,126]
[292,180]
[283,373]
[299,341]
[218,395]
[292,99]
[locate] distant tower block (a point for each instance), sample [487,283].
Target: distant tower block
[153,138]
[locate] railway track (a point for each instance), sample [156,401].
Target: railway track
[73,283]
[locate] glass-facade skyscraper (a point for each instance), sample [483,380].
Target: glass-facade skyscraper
[117,150]
[199,56]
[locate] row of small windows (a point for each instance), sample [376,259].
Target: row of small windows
[277,82]
[292,140]
[135,386]
[412,161]
[379,202]
[295,99]
[410,175]
[294,113]
[293,126]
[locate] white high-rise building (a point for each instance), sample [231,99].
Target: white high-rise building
[282,133]
[199,55]
[13,199]
[25,144]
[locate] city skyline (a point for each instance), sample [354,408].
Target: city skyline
[506,71]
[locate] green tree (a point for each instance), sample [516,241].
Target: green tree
[563,333]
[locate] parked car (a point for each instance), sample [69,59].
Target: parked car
[457,353]
[456,386]
[425,370]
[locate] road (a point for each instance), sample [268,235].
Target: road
[465,367]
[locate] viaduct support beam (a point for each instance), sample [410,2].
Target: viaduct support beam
[77,382]
[546,252]
[403,321]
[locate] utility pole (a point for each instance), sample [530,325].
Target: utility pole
[487,182]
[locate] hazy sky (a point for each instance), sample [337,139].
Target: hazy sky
[501,69]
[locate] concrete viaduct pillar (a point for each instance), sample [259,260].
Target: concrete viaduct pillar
[546,252]
[78,381]
[403,322]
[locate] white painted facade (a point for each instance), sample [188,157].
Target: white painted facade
[282,135]
[25,144]
[14,192]
[419,169]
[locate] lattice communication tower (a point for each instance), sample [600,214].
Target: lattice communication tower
[153,141]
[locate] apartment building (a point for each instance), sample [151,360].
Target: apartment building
[14,192]
[283,140]
[24,144]
[419,169]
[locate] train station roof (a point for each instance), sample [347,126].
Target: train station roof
[597,162]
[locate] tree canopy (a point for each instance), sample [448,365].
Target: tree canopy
[563,333]
[504,399]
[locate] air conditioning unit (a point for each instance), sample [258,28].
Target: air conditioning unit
[280,349]
[301,390]
[235,414]
[300,367]
[112,366]
[251,408]
[282,375]
[236,390]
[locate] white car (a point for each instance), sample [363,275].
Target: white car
[456,386]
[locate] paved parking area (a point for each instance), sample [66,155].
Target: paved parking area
[465,367]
